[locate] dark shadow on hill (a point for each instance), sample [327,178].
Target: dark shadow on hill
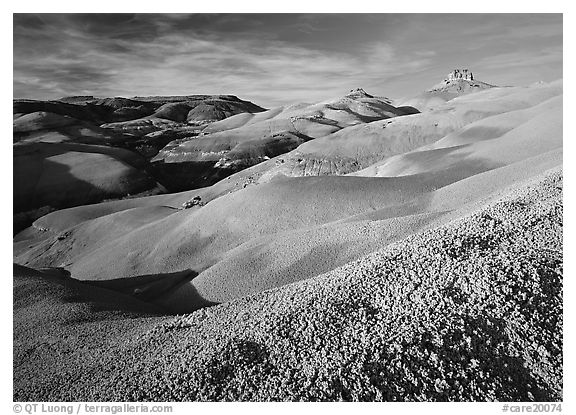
[408,110]
[100,113]
[155,288]
[55,285]
[140,294]
[32,199]
[65,190]
[178,176]
[398,112]
[187,175]
[41,186]
[363,118]
[148,287]
[82,132]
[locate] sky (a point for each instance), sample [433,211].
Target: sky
[276,59]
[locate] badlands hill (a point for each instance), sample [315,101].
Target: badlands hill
[458,82]
[246,139]
[81,150]
[145,145]
[419,247]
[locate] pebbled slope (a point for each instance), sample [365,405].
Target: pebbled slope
[469,311]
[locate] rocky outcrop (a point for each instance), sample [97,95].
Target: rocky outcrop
[457,74]
[456,83]
[459,81]
[359,93]
[195,201]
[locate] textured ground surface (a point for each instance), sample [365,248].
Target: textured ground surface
[471,310]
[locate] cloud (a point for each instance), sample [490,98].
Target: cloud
[275,72]
[272,71]
[518,59]
[270,59]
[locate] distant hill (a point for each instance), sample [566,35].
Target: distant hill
[458,82]
[243,140]
[85,149]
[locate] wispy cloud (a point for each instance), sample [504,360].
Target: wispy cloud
[270,59]
[270,71]
[509,60]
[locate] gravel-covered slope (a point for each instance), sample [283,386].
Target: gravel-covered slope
[468,311]
[62,329]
